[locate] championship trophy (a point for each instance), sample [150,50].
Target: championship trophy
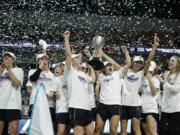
[95,61]
[43,44]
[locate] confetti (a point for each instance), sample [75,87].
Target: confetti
[132,23]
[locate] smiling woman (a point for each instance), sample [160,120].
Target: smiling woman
[170,100]
[133,80]
[108,87]
[10,93]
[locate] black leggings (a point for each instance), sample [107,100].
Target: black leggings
[5,129]
[170,123]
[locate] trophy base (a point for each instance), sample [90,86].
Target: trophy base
[96,63]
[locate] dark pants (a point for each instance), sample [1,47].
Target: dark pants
[5,129]
[170,124]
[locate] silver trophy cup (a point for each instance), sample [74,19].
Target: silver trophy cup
[95,61]
[43,44]
[98,42]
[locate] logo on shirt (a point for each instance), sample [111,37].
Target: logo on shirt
[132,78]
[108,80]
[5,77]
[43,77]
[82,79]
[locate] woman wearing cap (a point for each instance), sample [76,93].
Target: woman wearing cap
[109,84]
[5,123]
[11,80]
[78,97]
[42,75]
[131,100]
[62,115]
[149,96]
[170,116]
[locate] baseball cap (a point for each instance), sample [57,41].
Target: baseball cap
[138,58]
[9,54]
[41,55]
[106,63]
[63,62]
[58,64]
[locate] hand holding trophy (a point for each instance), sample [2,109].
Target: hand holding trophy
[98,42]
[43,44]
[95,61]
[44,53]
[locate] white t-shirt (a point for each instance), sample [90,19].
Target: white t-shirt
[47,78]
[62,102]
[110,92]
[92,95]
[149,101]
[131,84]
[171,94]
[10,97]
[77,83]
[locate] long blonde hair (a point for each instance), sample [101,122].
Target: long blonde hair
[177,67]
[178,63]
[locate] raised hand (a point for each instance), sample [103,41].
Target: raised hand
[149,76]
[124,48]
[67,34]
[156,40]
[98,53]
